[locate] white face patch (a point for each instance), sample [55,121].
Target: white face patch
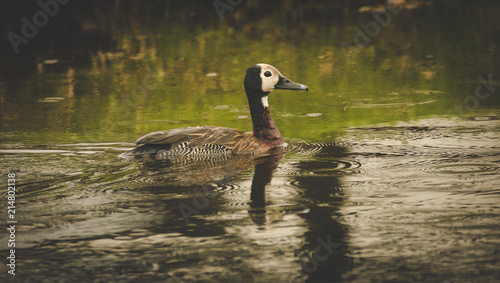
[265,103]
[268,82]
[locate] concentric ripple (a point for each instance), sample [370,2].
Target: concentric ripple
[466,168]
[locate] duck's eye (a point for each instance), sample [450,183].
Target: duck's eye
[267,74]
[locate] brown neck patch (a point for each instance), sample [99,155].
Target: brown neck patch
[265,129]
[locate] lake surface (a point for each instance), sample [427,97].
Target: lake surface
[391,171]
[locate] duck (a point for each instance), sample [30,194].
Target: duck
[202,142]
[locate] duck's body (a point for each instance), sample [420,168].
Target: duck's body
[206,141]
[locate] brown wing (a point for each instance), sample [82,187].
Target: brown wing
[233,139]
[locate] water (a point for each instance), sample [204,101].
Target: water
[418,200]
[390,174]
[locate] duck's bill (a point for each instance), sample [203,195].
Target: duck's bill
[285,83]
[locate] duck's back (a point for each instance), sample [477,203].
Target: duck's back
[198,142]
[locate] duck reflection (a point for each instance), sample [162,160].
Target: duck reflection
[324,252]
[185,172]
[314,195]
[264,169]
[324,249]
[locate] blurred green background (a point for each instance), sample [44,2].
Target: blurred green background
[111,71]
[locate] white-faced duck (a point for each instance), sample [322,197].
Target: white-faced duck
[207,141]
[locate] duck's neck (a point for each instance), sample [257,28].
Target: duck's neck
[264,127]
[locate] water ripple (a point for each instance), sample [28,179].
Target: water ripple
[466,168]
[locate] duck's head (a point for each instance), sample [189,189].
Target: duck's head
[261,79]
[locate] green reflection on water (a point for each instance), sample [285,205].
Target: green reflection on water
[162,74]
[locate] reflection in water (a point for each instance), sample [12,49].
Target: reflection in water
[321,255]
[166,66]
[184,172]
[264,169]
[345,211]
[325,241]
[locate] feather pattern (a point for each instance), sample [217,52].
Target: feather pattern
[192,141]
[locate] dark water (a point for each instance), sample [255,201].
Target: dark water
[391,171]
